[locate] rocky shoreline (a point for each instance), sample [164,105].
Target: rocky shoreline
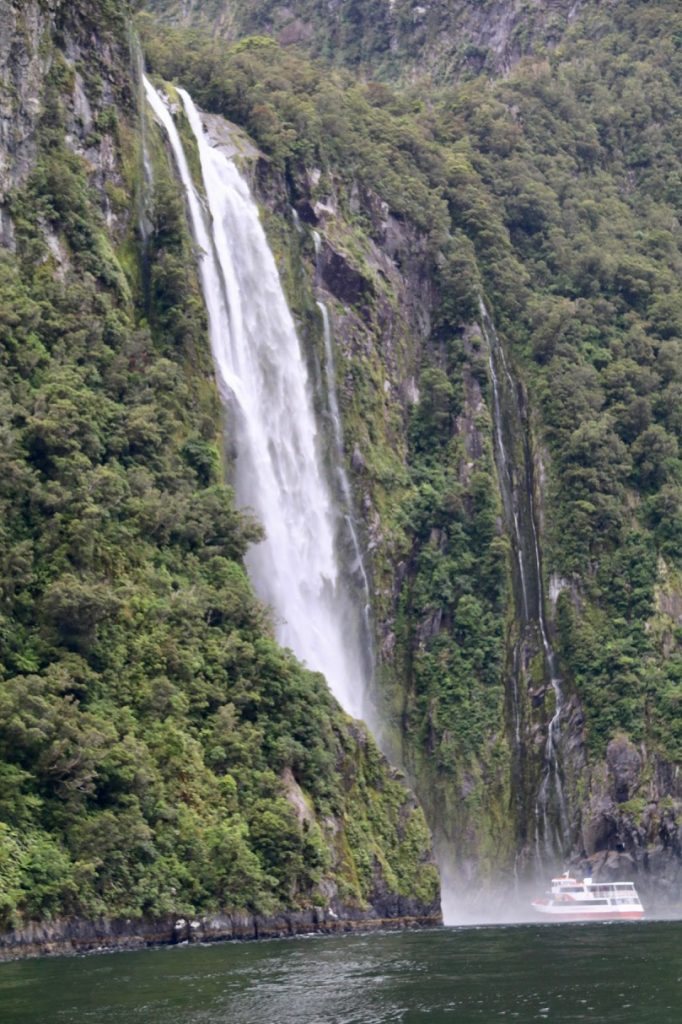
[70,936]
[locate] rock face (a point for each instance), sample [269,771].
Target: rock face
[629,824]
[341,279]
[22,71]
[624,764]
[27,67]
[623,807]
[61,937]
[394,37]
[71,104]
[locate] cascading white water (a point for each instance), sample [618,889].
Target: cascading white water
[279,470]
[526,548]
[341,476]
[357,568]
[143,222]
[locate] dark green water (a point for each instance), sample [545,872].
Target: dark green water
[601,973]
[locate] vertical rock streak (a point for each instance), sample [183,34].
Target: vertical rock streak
[264,385]
[516,484]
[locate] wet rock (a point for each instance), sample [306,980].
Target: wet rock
[357,460]
[344,282]
[598,829]
[77,936]
[306,213]
[624,764]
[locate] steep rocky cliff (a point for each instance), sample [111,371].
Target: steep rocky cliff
[391,38]
[160,756]
[552,194]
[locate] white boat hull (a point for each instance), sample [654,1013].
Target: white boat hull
[575,912]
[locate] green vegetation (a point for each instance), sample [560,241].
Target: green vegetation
[155,742]
[158,752]
[586,185]
[443,687]
[555,193]
[399,41]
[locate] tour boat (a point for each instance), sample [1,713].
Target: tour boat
[570,900]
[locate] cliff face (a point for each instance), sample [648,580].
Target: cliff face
[160,756]
[418,443]
[399,39]
[529,194]
[34,41]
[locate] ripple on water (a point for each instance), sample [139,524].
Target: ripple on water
[526,973]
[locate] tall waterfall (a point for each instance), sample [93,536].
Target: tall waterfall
[515,470]
[264,385]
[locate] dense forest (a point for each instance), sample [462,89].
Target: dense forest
[156,745]
[553,193]
[159,753]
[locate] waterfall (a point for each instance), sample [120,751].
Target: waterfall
[515,471]
[345,495]
[263,381]
[147,187]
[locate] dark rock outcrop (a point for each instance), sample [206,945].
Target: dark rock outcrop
[72,935]
[340,278]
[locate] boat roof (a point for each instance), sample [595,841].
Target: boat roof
[588,883]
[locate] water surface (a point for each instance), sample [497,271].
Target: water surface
[601,973]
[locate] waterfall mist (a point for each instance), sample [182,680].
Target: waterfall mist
[279,469]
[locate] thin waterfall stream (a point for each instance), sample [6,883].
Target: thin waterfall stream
[357,567]
[144,223]
[279,470]
[515,471]
[344,493]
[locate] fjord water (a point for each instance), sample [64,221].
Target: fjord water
[279,468]
[605,974]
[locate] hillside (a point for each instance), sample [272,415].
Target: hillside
[391,39]
[482,201]
[160,755]
[551,193]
